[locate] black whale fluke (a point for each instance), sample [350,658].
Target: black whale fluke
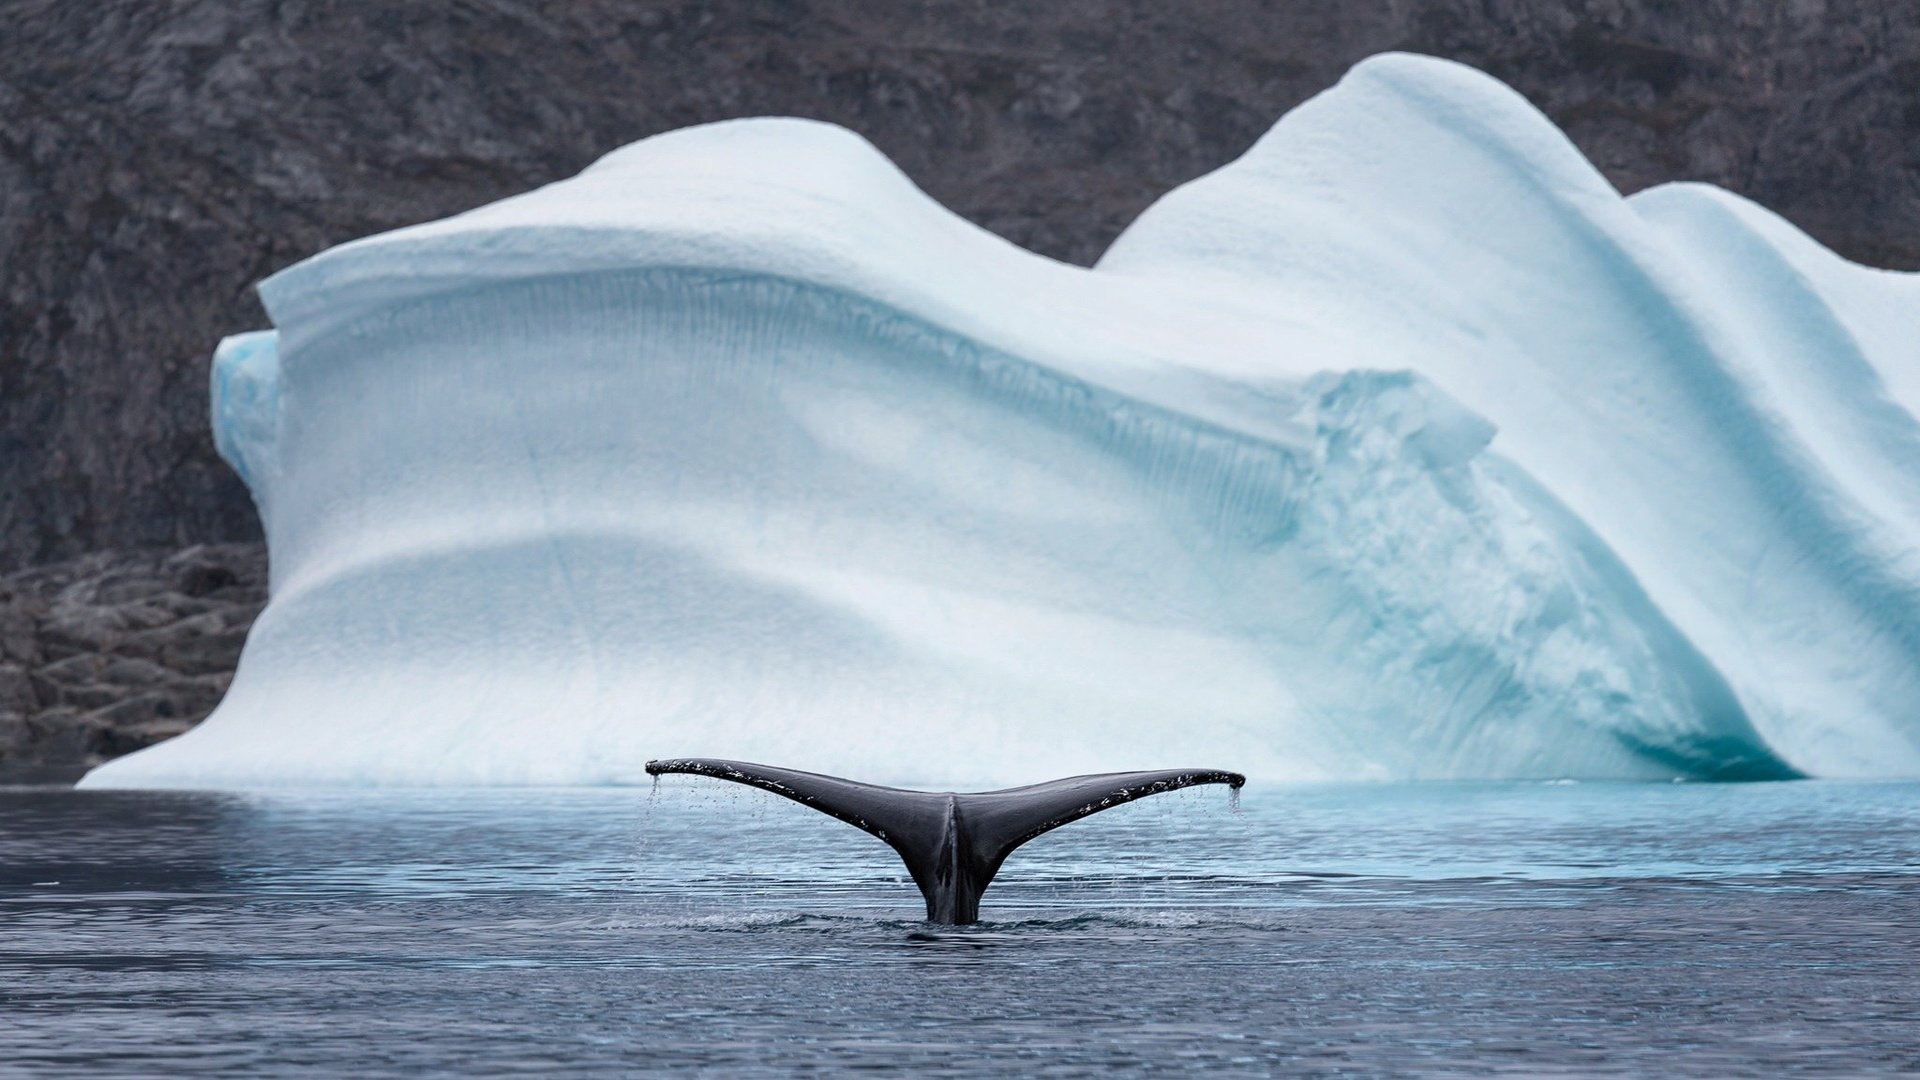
[952,843]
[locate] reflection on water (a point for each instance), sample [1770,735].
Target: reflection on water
[1594,928]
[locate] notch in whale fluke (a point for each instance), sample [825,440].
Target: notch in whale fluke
[952,843]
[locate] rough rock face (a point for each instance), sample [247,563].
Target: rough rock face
[108,653]
[155,159]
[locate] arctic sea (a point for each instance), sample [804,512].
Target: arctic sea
[1438,929]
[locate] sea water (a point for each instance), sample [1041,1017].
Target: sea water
[1437,929]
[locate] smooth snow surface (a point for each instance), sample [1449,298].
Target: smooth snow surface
[1402,447]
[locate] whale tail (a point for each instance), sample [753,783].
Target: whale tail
[952,843]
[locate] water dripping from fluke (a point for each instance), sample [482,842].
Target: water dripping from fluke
[953,843]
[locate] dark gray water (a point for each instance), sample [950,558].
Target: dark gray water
[1523,929]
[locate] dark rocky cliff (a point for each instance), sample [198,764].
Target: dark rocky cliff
[117,650]
[156,158]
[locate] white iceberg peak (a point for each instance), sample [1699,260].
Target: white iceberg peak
[1401,447]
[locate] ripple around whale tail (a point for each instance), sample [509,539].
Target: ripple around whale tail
[1401,447]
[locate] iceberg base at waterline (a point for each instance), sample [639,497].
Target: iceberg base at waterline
[1402,447]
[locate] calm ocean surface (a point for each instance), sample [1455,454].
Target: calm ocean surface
[1444,929]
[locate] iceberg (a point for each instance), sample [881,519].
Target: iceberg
[1402,447]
